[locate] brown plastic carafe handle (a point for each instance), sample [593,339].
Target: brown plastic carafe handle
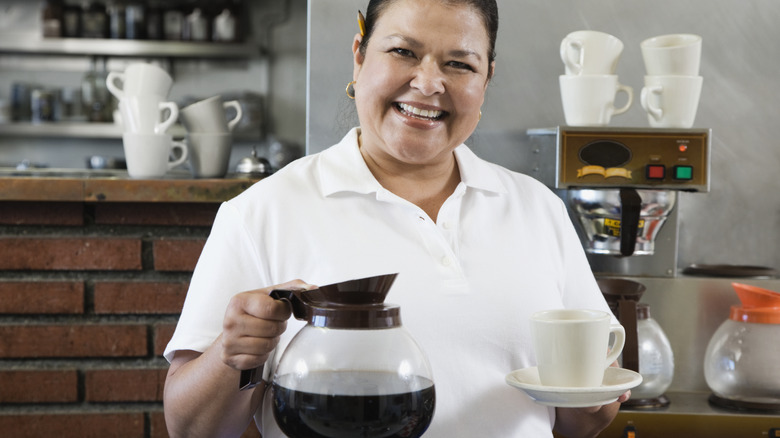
[627,317]
[630,206]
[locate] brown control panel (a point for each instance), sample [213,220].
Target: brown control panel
[651,158]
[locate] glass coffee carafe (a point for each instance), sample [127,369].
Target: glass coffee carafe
[352,370]
[647,350]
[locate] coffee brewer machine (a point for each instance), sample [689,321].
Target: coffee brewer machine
[621,187]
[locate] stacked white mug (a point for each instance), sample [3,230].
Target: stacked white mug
[210,135]
[142,90]
[672,84]
[590,86]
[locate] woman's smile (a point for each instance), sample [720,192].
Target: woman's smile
[419,113]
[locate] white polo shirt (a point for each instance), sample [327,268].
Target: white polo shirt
[503,247]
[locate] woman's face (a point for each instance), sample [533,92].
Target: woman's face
[422,81]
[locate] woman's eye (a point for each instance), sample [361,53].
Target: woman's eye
[460,65]
[403,52]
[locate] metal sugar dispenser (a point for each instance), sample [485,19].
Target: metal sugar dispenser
[353,370]
[647,349]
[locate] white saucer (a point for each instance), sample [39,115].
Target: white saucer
[616,382]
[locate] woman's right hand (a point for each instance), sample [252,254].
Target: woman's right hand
[253,325]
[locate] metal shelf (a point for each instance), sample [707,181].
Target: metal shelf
[138,48]
[92,131]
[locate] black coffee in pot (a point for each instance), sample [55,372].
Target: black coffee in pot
[365,404]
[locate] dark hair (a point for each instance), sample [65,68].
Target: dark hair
[487,8]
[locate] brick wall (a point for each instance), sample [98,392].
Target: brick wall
[89,297]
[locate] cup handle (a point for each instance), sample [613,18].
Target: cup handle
[162,127]
[183,147]
[111,85]
[655,111]
[574,66]
[234,103]
[617,346]
[630,95]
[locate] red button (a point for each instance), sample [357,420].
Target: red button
[655,171]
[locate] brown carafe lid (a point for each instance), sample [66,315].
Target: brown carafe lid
[354,304]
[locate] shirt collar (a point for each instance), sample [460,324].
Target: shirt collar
[343,169]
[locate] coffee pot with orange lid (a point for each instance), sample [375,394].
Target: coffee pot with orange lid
[353,370]
[742,357]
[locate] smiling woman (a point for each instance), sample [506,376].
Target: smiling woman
[418,92]
[477,248]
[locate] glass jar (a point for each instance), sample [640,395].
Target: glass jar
[741,360]
[94,20]
[656,358]
[51,17]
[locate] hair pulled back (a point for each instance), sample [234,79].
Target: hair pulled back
[486,8]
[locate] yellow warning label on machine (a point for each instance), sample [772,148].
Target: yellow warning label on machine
[612,227]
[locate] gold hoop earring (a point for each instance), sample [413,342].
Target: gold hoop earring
[351,94]
[480,114]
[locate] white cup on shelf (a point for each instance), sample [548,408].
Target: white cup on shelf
[139,79]
[672,55]
[210,115]
[209,153]
[590,52]
[589,100]
[151,156]
[671,101]
[147,114]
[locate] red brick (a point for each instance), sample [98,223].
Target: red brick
[157,429]
[139,297]
[177,254]
[62,253]
[39,386]
[114,385]
[108,425]
[39,341]
[162,335]
[183,214]
[36,297]
[41,213]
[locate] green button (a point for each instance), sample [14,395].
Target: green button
[683,172]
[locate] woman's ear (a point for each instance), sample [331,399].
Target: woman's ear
[356,47]
[357,57]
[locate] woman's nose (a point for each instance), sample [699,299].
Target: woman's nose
[428,79]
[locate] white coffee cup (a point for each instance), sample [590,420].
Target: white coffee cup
[209,153]
[589,52]
[149,155]
[572,346]
[147,114]
[674,54]
[140,79]
[671,101]
[209,115]
[589,100]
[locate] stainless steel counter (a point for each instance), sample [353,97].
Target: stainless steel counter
[690,415]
